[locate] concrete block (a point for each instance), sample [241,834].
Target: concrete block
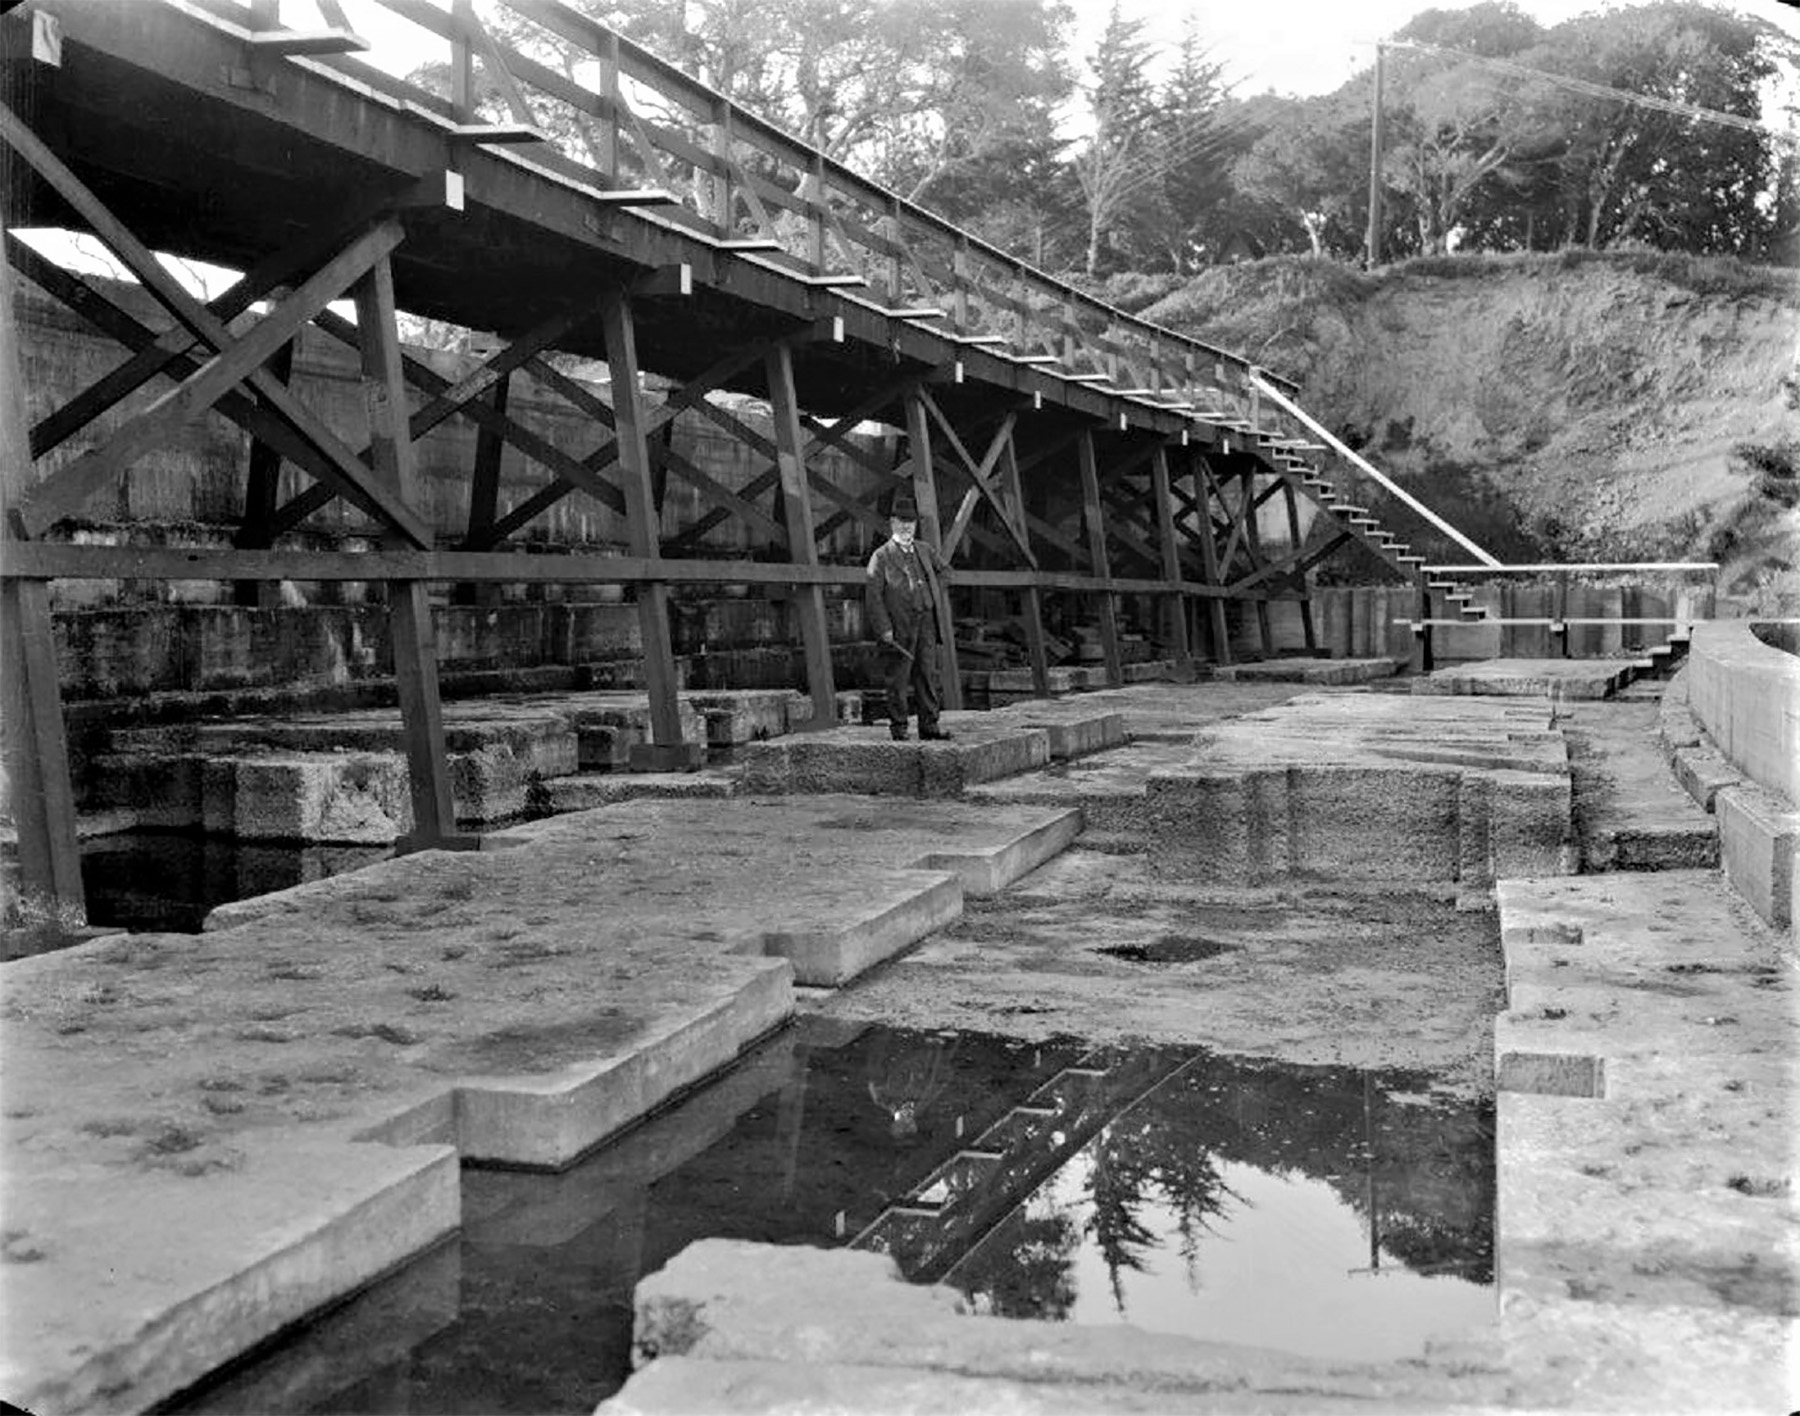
[1074,735]
[1704,773]
[1746,695]
[351,798]
[87,1332]
[1759,835]
[907,906]
[948,767]
[666,757]
[1528,825]
[732,719]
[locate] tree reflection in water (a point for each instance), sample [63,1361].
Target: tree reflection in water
[1414,1165]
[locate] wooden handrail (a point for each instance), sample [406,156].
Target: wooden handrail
[870,230]
[1263,387]
[1578,568]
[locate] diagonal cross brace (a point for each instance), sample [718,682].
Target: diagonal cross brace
[385,504]
[70,486]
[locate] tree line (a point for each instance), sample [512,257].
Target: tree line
[1499,133]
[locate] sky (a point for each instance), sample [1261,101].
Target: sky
[1291,46]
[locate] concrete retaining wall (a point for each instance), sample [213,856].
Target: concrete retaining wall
[1746,695]
[1732,726]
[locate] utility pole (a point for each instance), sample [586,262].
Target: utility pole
[1374,241]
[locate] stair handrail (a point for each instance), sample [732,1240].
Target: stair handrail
[1337,445]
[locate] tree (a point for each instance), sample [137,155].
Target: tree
[1628,171]
[1308,166]
[1455,127]
[1193,148]
[1121,108]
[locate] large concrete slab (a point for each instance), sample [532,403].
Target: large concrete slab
[1567,679]
[1659,1200]
[1368,788]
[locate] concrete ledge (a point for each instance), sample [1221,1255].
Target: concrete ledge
[1321,672]
[172,1274]
[908,905]
[1073,731]
[990,870]
[1644,1147]
[1759,836]
[1571,679]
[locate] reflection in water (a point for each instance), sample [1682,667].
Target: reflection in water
[168,880]
[1164,1187]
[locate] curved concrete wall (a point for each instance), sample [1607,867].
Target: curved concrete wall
[1747,698]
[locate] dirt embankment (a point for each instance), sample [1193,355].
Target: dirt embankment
[1568,406]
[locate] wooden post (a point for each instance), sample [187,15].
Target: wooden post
[484,493]
[1423,660]
[262,491]
[409,605]
[1176,602]
[36,754]
[1204,490]
[1091,518]
[1560,613]
[1033,597]
[1253,540]
[666,751]
[1307,628]
[724,199]
[924,482]
[797,508]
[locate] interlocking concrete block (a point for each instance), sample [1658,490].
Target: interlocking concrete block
[1704,773]
[1759,835]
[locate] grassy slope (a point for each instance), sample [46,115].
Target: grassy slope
[1568,405]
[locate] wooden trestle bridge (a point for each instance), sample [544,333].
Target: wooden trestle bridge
[627,214]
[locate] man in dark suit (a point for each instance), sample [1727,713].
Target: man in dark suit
[903,599]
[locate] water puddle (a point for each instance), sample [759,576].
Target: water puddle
[169,880]
[1318,1210]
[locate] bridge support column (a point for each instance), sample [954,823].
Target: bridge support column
[1032,599]
[1092,520]
[666,751]
[796,503]
[1204,491]
[262,492]
[1307,629]
[1175,612]
[409,605]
